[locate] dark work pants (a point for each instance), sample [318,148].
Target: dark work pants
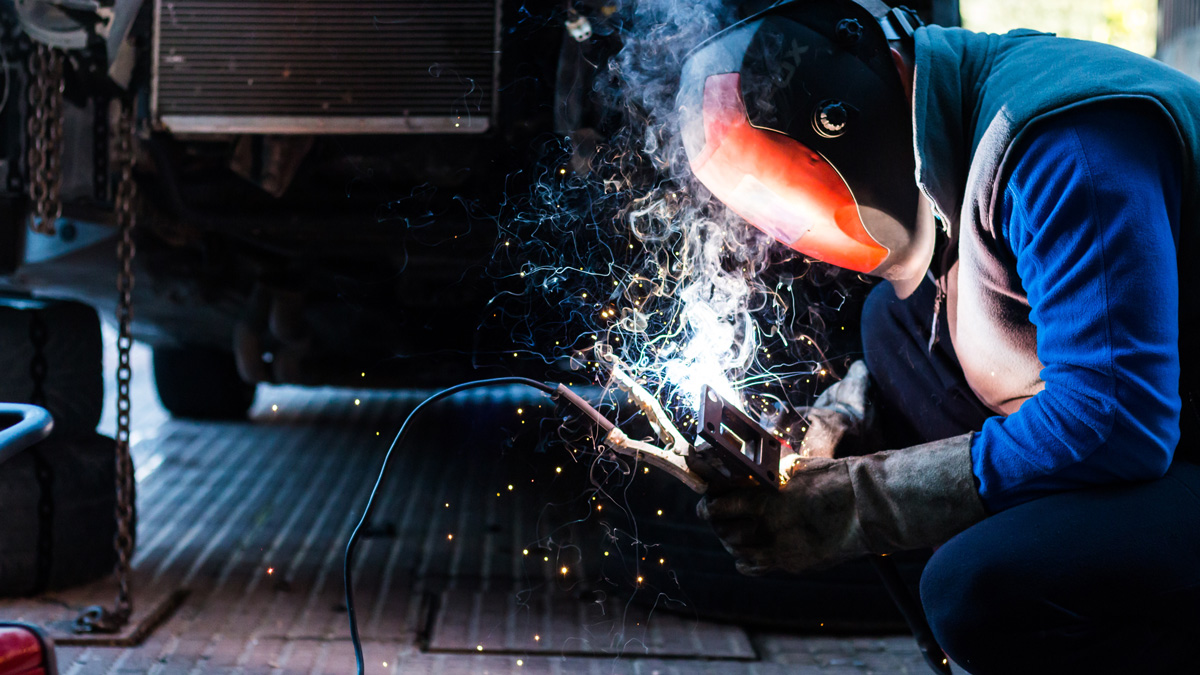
[1099,580]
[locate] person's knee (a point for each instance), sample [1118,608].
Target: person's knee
[967,595]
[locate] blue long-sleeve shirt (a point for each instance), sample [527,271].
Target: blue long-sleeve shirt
[1091,213]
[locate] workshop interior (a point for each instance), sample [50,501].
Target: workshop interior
[598,336]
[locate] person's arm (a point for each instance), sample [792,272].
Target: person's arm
[1091,212]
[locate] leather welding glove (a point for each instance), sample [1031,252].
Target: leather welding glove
[842,420]
[833,510]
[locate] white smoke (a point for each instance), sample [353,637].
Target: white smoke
[717,256]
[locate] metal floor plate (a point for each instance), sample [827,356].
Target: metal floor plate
[469,567]
[563,624]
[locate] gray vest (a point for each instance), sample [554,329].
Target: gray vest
[975,96]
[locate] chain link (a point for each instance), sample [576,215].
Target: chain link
[44,137]
[126,221]
[98,619]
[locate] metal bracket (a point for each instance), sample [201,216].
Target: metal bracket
[739,453]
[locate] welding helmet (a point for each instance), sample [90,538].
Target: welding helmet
[796,119]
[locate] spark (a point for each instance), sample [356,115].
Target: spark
[668,284]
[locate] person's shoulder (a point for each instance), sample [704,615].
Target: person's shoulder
[1108,137]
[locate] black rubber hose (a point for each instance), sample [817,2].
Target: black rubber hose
[551,389]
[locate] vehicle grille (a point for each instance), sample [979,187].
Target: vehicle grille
[309,66]
[1176,18]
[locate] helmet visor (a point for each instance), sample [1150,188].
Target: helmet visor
[777,184]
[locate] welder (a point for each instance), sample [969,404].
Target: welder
[1027,402]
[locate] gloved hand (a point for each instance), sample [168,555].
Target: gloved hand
[842,420]
[832,510]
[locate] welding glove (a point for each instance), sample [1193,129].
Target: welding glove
[842,420]
[833,510]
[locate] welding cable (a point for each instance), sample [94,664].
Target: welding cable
[554,390]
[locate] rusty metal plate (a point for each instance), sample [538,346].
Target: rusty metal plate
[56,612]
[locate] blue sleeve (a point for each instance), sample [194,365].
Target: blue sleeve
[1091,212]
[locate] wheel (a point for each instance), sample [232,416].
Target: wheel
[59,501]
[71,379]
[200,383]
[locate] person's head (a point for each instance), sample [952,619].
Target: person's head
[799,120]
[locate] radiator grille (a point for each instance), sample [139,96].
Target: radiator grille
[307,66]
[1179,35]
[1176,18]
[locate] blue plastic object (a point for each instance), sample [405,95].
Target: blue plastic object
[22,425]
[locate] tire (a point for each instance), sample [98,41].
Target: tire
[61,537]
[199,383]
[73,384]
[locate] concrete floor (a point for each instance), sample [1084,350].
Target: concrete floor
[473,567]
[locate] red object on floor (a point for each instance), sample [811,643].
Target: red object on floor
[23,652]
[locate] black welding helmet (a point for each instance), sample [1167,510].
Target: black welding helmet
[797,119]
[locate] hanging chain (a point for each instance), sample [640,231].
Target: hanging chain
[98,619]
[126,220]
[44,152]
[45,132]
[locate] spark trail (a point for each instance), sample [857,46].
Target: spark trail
[619,252]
